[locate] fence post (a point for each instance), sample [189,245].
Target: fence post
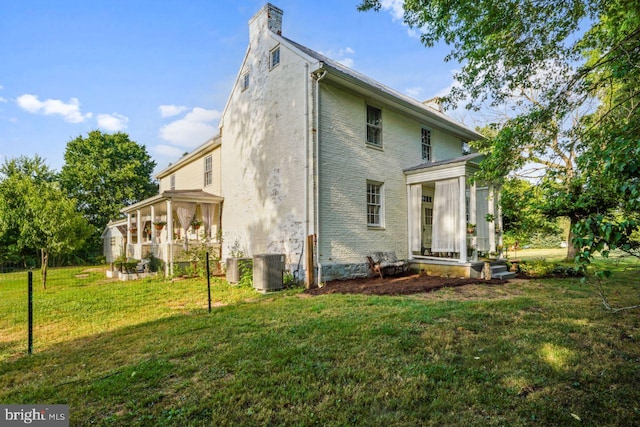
[208,283]
[30,341]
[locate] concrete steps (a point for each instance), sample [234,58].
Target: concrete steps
[499,272]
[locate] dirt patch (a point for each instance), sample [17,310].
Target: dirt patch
[403,285]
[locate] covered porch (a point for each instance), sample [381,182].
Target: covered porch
[167,224]
[454,221]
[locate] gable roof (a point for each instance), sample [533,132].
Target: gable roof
[356,78]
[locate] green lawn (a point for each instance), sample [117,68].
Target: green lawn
[148,353]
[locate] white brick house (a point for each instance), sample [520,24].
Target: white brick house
[309,147]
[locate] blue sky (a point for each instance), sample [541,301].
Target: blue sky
[162,71]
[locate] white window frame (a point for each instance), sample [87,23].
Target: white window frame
[427,147]
[274,57]
[172,182]
[208,170]
[374,126]
[244,81]
[375,204]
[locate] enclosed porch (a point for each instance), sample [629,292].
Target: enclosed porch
[168,224]
[454,221]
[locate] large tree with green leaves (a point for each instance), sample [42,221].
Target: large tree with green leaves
[569,73]
[35,215]
[106,172]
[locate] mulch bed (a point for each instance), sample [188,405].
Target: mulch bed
[399,285]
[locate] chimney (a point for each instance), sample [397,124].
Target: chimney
[268,18]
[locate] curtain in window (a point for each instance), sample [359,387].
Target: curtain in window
[482,228]
[185,212]
[415,207]
[207,218]
[446,214]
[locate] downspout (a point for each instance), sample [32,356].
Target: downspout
[318,76]
[306,159]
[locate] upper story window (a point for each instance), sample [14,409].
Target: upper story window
[466,149]
[374,126]
[208,171]
[274,58]
[172,182]
[375,217]
[244,81]
[426,145]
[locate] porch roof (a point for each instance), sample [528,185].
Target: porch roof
[431,165]
[197,196]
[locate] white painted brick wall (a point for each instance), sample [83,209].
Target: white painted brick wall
[263,151]
[346,163]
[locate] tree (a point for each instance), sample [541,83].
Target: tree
[576,58]
[104,173]
[35,215]
[12,208]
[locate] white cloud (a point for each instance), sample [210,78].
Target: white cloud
[343,56]
[171,110]
[414,92]
[195,128]
[394,7]
[3,100]
[112,122]
[70,111]
[167,150]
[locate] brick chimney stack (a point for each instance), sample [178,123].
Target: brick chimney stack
[268,18]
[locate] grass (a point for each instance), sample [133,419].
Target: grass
[523,353]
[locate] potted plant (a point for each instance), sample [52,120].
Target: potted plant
[196,223]
[471,228]
[490,217]
[160,225]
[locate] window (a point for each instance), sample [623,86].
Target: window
[374,126]
[374,204]
[112,241]
[208,171]
[244,81]
[426,145]
[172,182]
[274,58]
[465,148]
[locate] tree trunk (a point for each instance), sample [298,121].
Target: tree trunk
[43,271]
[572,251]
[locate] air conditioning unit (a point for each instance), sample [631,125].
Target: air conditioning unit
[268,272]
[235,268]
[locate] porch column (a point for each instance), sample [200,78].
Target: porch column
[169,260]
[126,250]
[473,218]
[462,218]
[499,220]
[414,216]
[492,225]
[139,230]
[153,228]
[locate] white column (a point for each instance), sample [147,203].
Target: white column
[153,227]
[492,225]
[462,220]
[169,260]
[126,250]
[473,218]
[499,218]
[139,231]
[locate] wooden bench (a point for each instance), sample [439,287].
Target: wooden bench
[388,262]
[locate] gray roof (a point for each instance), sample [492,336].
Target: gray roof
[460,159]
[376,85]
